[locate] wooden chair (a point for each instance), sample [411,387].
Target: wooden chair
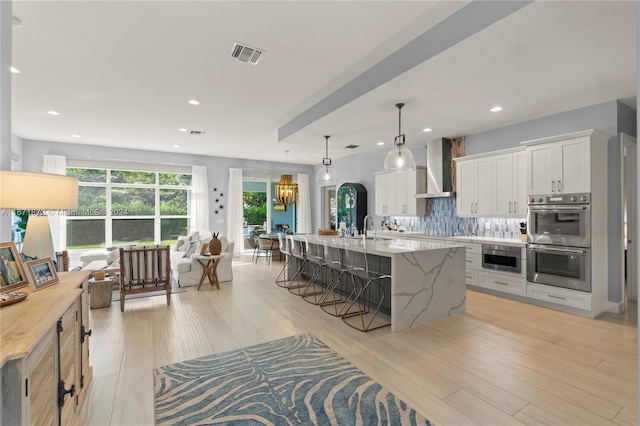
[62,261]
[144,269]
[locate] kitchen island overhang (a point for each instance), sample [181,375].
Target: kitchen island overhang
[427,279]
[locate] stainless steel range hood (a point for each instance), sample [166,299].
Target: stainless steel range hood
[438,153]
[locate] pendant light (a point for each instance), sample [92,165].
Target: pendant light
[327,175]
[399,158]
[286,189]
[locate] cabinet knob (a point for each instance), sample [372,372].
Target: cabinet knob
[84,333]
[62,392]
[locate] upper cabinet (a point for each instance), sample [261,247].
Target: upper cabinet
[559,166]
[395,193]
[492,184]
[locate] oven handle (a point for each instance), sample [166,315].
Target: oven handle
[554,208]
[557,250]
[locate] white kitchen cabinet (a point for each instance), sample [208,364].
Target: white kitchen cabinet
[395,193]
[492,184]
[559,167]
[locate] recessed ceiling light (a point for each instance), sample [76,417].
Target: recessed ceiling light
[427,129]
[182,129]
[380,143]
[75,136]
[53,112]
[496,109]
[15,70]
[194,102]
[176,146]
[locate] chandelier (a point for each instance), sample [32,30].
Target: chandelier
[399,157]
[286,189]
[327,175]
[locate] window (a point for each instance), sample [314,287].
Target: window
[117,207]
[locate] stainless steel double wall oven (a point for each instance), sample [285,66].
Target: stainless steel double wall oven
[559,241]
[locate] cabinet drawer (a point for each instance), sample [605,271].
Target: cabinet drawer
[503,283]
[561,296]
[471,277]
[472,261]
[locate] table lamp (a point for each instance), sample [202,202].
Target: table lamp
[38,192]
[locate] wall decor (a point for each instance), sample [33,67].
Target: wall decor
[12,273]
[218,200]
[42,273]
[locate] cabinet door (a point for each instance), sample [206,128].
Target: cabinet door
[68,352]
[381,194]
[539,173]
[575,166]
[42,382]
[84,370]
[392,208]
[485,203]
[504,197]
[466,196]
[520,184]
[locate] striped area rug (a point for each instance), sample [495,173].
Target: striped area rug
[297,380]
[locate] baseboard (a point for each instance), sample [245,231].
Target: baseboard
[615,307]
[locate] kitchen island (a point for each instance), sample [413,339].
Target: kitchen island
[427,279]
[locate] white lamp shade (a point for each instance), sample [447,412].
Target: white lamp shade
[399,158]
[37,238]
[326,176]
[42,191]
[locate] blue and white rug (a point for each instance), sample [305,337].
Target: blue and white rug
[297,380]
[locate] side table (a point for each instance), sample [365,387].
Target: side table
[209,269]
[100,293]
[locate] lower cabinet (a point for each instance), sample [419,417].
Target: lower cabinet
[560,296]
[513,284]
[47,385]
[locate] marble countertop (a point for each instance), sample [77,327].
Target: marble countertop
[383,247]
[453,239]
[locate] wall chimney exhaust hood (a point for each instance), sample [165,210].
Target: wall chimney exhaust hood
[438,153]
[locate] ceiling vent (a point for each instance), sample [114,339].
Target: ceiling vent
[352,146]
[196,132]
[246,53]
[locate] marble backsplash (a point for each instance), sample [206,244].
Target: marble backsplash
[441,219]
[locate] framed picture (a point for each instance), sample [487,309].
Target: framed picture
[279,208]
[12,274]
[42,273]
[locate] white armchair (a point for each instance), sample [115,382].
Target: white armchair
[187,271]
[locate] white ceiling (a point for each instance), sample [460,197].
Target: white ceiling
[120,73]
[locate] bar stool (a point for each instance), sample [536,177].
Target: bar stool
[363,279]
[334,297]
[281,279]
[297,252]
[317,264]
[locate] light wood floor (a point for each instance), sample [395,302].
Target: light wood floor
[501,363]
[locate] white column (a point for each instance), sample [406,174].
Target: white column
[5,105]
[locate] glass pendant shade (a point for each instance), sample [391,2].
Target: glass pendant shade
[286,191]
[399,158]
[327,176]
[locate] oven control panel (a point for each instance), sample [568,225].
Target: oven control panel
[584,198]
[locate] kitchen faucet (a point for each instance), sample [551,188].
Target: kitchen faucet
[366,227]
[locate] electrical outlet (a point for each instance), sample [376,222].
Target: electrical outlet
[487,226]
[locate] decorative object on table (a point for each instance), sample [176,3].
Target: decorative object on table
[327,232]
[399,157]
[286,189]
[41,273]
[215,245]
[295,380]
[279,208]
[327,175]
[12,273]
[38,191]
[11,297]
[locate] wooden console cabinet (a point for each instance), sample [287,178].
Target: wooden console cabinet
[44,346]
